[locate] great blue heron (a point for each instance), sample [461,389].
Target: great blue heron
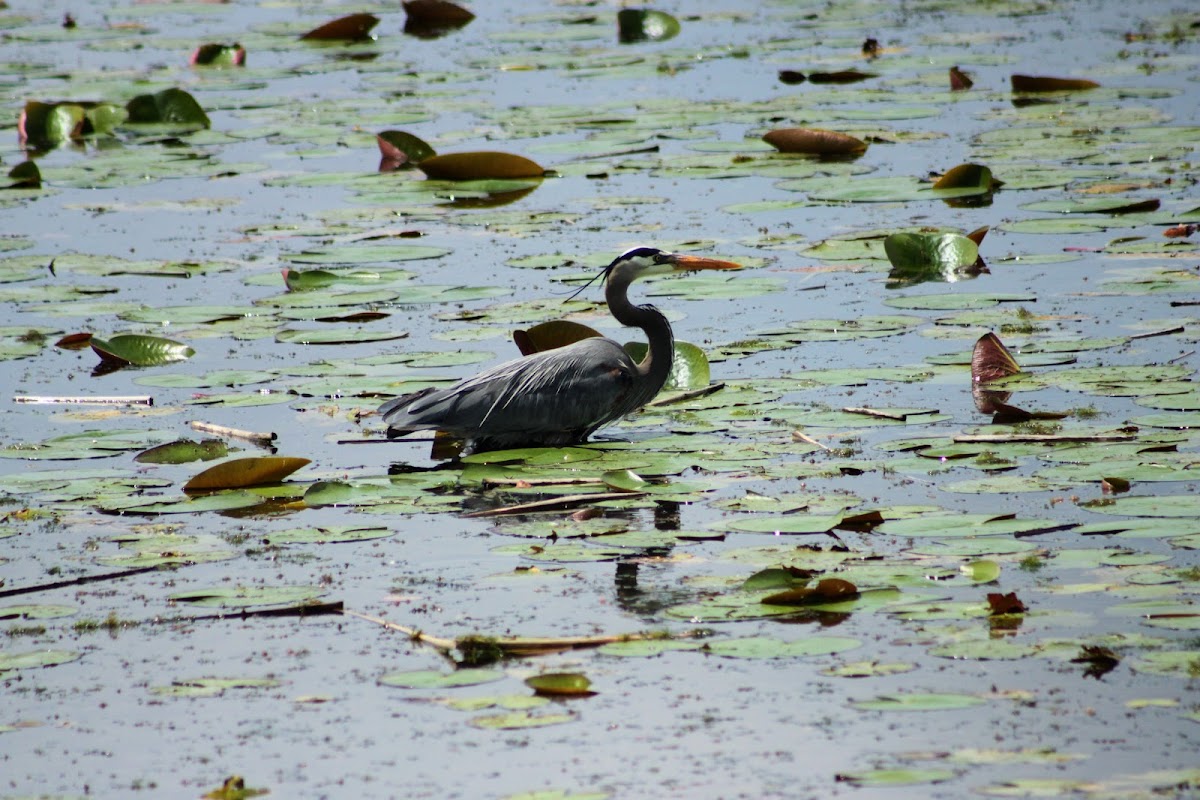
[560,396]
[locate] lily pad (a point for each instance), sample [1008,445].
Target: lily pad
[484,165]
[242,472]
[140,350]
[643,24]
[248,596]
[432,679]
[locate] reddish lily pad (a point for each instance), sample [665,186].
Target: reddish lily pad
[430,18]
[218,55]
[481,165]
[814,141]
[398,148]
[351,28]
[551,335]
[1040,83]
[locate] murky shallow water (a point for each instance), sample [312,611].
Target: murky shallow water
[681,724]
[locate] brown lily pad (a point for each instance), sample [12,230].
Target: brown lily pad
[481,165]
[351,28]
[815,141]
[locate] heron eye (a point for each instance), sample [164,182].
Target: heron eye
[660,258]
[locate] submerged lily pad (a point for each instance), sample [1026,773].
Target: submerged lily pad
[914,701]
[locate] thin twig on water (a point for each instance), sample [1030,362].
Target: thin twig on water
[113,400]
[221,430]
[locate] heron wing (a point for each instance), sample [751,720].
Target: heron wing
[568,392]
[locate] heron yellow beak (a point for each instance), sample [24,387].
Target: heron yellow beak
[684,262]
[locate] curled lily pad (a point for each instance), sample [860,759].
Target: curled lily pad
[991,360]
[241,472]
[645,25]
[815,141]
[551,335]
[140,350]
[918,257]
[25,175]
[561,684]
[218,55]
[965,180]
[481,165]
[1040,83]
[173,106]
[352,28]
[52,123]
[431,18]
[397,148]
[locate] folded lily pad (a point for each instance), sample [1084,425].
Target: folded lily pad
[52,123]
[172,106]
[218,55]
[352,28]
[140,350]
[1040,83]
[242,472]
[398,147]
[814,141]
[645,25]
[481,165]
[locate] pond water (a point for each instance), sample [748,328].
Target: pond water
[137,659]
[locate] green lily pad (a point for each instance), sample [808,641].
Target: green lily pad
[1186,505]
[140,350]
[955,525]
[171,106]
[642,24]
[11,661]
[367,254]
[329,535]
[1172,663]
[867,669]
[432,679]
[914,701]
[918,257]
[689,369]
[211,687]
[183,452]
[898,776]
[36,612]
[248,596]
[766,647]
[519,720]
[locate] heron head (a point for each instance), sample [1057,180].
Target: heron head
[641,261]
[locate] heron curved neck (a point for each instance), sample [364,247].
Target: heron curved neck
[660,353]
